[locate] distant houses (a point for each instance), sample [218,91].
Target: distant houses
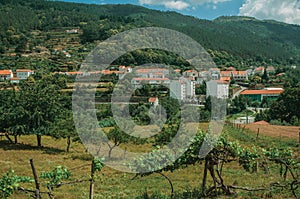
[20,74]
[153,76]
[6,75]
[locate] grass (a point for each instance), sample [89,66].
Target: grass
[115,184]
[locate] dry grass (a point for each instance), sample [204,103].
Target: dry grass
[276,131]
[111,183]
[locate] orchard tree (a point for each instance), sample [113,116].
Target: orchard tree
[287,105]
[117,137]
[42,101]
[64,127]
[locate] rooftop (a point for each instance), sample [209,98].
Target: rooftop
[152,99]
[5,72]
[260,92]
[24,70]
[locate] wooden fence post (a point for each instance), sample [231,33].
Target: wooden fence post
[36,180]
[257,133]
[92,183]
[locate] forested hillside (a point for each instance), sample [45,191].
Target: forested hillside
[235,41]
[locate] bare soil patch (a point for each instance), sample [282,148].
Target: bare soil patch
[275,131]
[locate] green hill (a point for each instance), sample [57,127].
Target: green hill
[230,40]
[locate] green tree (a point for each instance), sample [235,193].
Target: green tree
[42,100]
[117,137]
[287,105]
[64,127]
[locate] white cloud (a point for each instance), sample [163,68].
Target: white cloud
[287,11]
[181,4]
[178,5]
[171,4]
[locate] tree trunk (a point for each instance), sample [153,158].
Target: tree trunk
[39,140]
[92,182]
[204,178]
[7,136]
[68,144]
[109,152]
[16,139]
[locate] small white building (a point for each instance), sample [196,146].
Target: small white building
[218,89]
[14,80]
[6,75]
[24,73]
[153,101]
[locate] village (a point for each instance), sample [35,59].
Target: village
[182,84]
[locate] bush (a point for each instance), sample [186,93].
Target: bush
[278,122]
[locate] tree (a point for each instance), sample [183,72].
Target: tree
[117,137]
[287,105]
[265,76]
[64,127]
[41,99]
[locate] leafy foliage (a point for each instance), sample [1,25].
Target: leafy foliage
[10,183]
[56,176]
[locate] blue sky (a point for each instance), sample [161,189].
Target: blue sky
[281,10]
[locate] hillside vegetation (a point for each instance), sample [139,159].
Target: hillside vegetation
[238,41]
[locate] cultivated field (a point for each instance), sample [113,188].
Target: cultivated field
[275,131]
[115,184]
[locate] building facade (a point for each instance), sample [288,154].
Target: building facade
[6,75]
[259,95]
[24,73]
[218,89]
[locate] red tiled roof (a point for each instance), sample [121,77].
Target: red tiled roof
[152,99]
[149,79]
[260,92]
[239,72]
[74,73]
[109,72]
[221,82]
[231,68]
[260,68]
[225,78]
[5,72]
[24,70]
[261,122]
[148,70]
[225,73]
[14,78]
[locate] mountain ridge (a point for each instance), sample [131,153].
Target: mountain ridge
[244,38]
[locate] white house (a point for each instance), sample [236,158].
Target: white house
[218,89]
[153,81]
[153,101]
[6,75]
[182,88]
[240,75]
[152,72]
[24,73]
[14,80]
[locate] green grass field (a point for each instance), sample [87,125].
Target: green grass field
[114,184]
